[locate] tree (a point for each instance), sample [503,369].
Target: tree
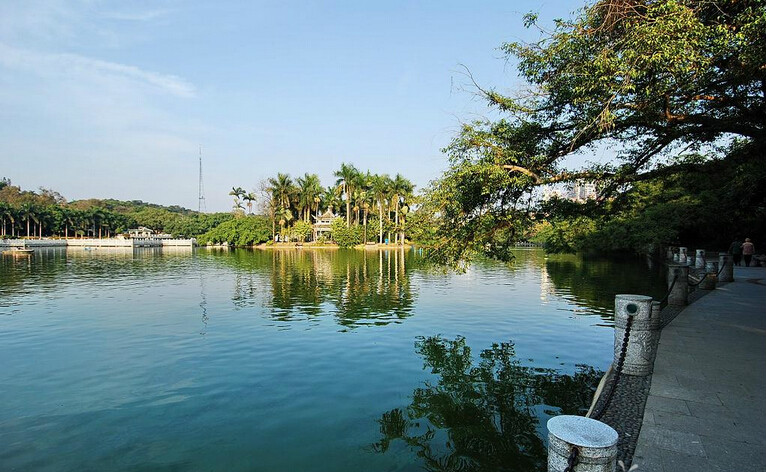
[237,193]
[345,236]
[380,187]
[6,213]
[671,84]
[249,198]
[347,175]
[27,213]
[331,198]
[401,189]
[284,215]
[309,190]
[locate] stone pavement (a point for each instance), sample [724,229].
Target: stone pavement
[706,409]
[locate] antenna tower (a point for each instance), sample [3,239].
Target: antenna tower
[201,195]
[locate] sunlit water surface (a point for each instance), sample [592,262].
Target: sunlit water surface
[296,360]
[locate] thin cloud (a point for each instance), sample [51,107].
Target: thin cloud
[46,64]
[146,15]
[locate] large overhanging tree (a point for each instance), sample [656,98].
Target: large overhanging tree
[666,84]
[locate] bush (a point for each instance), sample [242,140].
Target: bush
[344,236]
[301,231]
[245,231]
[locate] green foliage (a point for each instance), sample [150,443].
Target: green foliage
[246,231]
[666,83]
[345,236]
[705,209]
[487,408]
[301,231]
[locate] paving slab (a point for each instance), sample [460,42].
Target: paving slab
[706,409]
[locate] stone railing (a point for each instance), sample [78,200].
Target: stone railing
[585,444]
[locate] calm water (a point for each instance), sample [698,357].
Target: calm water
[296,360]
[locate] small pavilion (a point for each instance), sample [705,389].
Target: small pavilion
[323,224]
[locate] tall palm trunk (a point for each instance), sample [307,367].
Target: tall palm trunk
[348,206]
[380,222]
[27,226]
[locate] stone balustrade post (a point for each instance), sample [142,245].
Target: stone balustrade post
[643,333]
[596,443]
[725,260]
[700,259]
[679,295]
[711,277]
[682,253]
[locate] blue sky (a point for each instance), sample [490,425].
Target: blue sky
[113,99]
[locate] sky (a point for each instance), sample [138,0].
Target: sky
[113,99]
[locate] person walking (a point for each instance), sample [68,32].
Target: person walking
[748,249]
[735,249]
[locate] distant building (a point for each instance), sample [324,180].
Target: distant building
[323,224]
[583,190]
[579,191]
[142,232]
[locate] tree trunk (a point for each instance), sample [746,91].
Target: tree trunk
[380,222]
[348,207]
[365,226]
[27,227]
[396,217]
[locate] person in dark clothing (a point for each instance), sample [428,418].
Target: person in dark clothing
[735,249]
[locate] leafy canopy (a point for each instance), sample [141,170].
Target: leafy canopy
[662,82]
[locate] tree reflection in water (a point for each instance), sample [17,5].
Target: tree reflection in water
[485,416]
[359,287]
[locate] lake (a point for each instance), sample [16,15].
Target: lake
[309,360]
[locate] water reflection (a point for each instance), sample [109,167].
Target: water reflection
[356,287]
[487,415]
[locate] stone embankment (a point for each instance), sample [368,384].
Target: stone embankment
[685,391]
[98,242]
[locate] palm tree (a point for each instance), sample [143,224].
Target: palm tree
[309,189]
[346,178]
[6,212]
[283,190]
[237,193]
[249,198]
[400,189]
[284,215]
[27,213]
[331,198]
[380,187]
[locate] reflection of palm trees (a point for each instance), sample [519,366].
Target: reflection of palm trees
[354,286]
[488,410]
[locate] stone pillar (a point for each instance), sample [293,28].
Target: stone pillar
[711,279]
[682,255]
[725,261]
[643,333]
[596,442]
[679,295]
[700,259]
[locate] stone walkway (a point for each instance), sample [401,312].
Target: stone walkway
[706,409]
